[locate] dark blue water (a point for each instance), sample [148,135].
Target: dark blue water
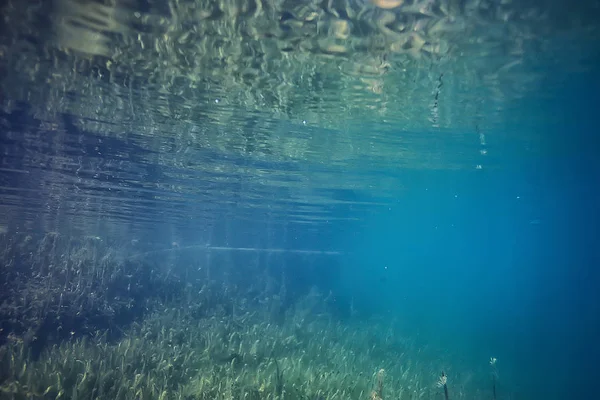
[500,263]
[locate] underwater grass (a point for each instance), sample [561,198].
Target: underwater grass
[57,287]
[206,340]
[173,356]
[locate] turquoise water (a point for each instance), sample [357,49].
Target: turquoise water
[298,200]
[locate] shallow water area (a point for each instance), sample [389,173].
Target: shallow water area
[276,199]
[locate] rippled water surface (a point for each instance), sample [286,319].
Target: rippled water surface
[125,113]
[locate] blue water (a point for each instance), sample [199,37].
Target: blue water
[499,261]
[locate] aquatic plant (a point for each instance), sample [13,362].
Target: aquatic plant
[56,287]
[171,355]
[209,339]
[494,374]
[443,383]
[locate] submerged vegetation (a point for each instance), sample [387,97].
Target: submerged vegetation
[82,321]
[58,287]
[117,111]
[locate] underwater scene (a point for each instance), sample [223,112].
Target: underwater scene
[299,199]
